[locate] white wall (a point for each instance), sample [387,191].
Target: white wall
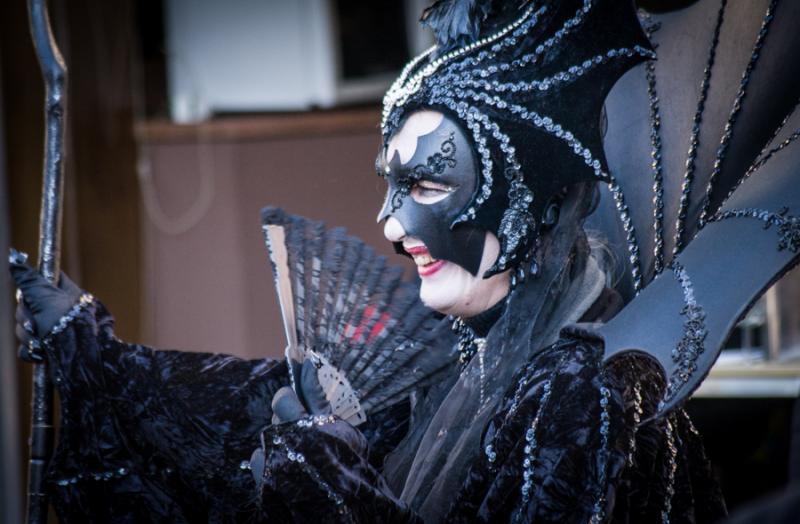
[245,55]
[263,55]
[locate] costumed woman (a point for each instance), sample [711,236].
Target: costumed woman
[493,155]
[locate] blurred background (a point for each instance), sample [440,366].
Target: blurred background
[188,116]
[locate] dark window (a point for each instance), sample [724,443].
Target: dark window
[372,36]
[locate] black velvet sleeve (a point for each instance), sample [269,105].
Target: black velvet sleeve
[317,470]
[153,436]
[566,446]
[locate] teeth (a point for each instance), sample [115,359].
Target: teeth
[423,260]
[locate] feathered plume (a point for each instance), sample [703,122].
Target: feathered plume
[455,23]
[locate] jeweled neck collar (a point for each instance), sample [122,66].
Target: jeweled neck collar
[472,331]
[481,323]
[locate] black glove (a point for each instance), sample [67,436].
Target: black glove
[40,304]
[287,405]
[320,430]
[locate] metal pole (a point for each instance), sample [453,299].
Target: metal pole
[54,72]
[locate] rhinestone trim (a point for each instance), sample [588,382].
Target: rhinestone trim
[530,451]
[64,322]
[692,343]
[672,466]
[404,87]
[788,225]
[599,512]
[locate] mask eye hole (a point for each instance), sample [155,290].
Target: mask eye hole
[429,192]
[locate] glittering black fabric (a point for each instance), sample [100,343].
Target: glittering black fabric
[576,475]
[167,436]
[154,436]
[163,436]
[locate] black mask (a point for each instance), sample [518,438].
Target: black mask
[527,81]
[444,156]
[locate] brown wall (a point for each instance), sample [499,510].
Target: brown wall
[210,288]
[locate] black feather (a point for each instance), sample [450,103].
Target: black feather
[455,22]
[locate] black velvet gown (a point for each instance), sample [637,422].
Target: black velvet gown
[166,436]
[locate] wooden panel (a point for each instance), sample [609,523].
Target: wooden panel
[101,233]
[22,103]
[263,127]
[103,155]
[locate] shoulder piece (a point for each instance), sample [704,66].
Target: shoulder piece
[684,316]
[686,128]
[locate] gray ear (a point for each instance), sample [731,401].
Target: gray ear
[553,209]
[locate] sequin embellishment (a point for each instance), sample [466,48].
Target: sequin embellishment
[788,225]
[692,344]
[530,451]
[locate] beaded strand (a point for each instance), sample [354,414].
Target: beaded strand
[672,466]
[599,512]
[655,151]
[530,452]
[694,140]
[736,109]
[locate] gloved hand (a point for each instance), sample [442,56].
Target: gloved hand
[317,438]
[287,405]
[40,304]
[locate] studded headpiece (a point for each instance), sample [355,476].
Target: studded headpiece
[527,80]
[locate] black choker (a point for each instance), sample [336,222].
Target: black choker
[473,330]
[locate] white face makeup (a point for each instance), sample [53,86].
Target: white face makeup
[418,124]
[448,287]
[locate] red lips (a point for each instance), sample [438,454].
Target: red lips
[430,269]
[416,250]
[426,265]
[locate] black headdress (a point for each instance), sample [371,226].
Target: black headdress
[700,145]
[528,81]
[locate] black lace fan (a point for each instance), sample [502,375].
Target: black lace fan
[367,332]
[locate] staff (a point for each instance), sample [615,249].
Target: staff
[54,72]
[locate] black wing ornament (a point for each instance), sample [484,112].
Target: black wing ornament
[365,329]
[702,140]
